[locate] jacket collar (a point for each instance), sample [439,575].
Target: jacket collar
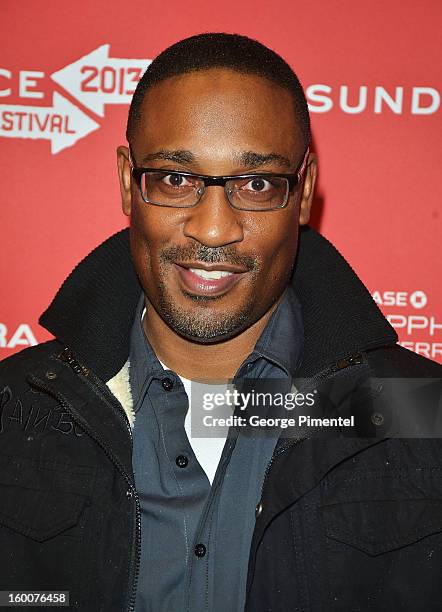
[94,309]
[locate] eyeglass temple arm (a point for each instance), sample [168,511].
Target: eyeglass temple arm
[304,163]
[131,161]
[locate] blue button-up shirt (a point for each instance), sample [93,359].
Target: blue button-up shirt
[195,538]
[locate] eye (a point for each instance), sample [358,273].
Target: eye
[176,180]
[258,184]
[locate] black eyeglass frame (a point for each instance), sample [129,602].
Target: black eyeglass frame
[293,180]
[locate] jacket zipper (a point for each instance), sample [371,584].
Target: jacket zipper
[92,380]
[350,361]
[87,376]
[326,373]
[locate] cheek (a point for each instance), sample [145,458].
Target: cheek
[154,223]
[150,230]
[274,238]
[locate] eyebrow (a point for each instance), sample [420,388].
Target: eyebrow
[180,156]
[253,159]
[249,159]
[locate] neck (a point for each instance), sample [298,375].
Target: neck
[197,361]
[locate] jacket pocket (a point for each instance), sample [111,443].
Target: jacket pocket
[383,540]
[41,499]
[376,527]
[378,512]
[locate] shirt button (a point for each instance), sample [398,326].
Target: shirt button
[258,510]
[200,550]
[182,461]
[167,384]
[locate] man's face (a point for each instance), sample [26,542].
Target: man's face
[212,271]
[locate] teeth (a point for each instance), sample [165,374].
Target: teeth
[212,275]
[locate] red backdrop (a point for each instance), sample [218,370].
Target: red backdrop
[372,78]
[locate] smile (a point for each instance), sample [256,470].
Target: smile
[203,282]
[210,274]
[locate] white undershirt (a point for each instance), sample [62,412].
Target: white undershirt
[207,450]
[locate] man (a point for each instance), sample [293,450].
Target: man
[105,492]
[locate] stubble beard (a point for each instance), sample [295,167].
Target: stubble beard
[198,321]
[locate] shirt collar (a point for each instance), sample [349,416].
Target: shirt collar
[142,358]
[282,340]
[280,343]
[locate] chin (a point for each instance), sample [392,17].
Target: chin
[217,338]
[211,328]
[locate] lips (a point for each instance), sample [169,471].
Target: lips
[211,281]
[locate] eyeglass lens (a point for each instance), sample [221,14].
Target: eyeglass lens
[258,192]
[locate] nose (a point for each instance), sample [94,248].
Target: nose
[213,222]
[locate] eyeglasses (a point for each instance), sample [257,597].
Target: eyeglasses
[254,192]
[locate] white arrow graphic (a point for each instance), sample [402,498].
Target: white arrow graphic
[62,123]
[97,79]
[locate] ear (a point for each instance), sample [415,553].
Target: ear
[308,189]
[124,175]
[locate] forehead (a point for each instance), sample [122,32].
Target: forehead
[219,108]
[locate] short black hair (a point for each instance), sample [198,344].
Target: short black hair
[221,50]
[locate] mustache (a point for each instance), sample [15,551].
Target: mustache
[209,255]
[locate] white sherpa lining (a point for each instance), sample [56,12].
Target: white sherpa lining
[119,385]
